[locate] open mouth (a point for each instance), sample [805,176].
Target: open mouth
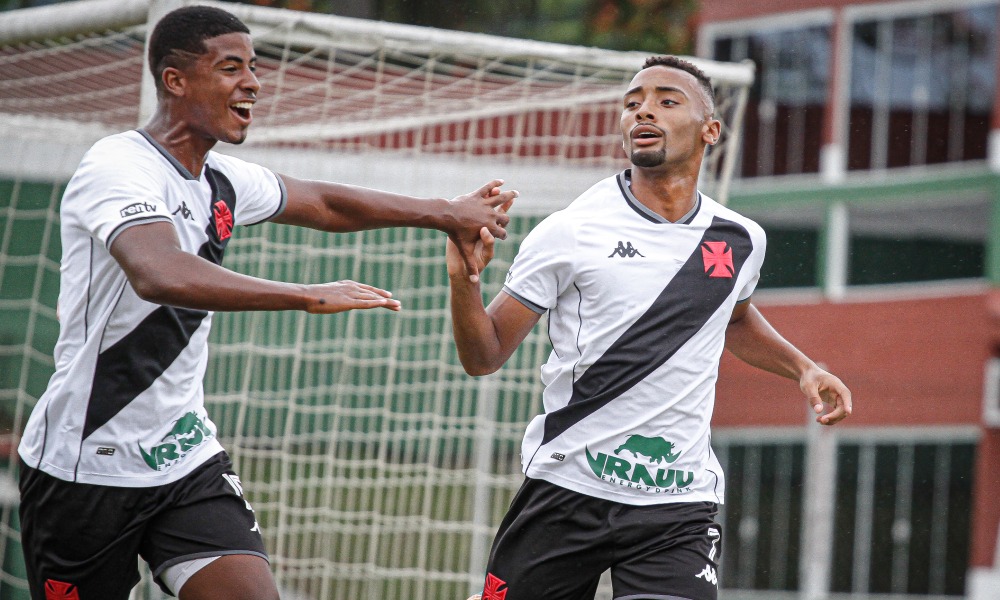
[644,136]
[242,109]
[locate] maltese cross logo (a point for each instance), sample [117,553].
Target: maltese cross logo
[60,590]
[718,259]
[223,220]
[492,591]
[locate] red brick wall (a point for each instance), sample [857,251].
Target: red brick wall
[907,362]
[727,10]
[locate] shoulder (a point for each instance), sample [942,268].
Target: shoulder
[129,147]
[234,167]
[122,158]
[724,212]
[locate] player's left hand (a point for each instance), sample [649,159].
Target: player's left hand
[486,208]
[482,254]
[823,388]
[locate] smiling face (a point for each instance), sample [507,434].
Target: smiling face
[216,91]
[666,119]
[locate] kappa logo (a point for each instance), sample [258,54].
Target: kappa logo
[709,575]
[717,259]
[625,250]
[492,591]
[184,211]
[223,220]
[60,590]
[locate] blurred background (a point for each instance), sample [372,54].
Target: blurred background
[869,150]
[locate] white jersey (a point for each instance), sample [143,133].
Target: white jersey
[638,309]
[125,406]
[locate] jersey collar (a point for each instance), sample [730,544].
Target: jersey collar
[170,157]
[624,184]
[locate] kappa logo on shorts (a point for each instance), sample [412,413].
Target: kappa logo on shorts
[709,575]
[492,591]
[60,590]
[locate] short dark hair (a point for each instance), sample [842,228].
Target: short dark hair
[181,34]
[679,63]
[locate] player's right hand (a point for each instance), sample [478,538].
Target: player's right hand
[340,296]
[484,208]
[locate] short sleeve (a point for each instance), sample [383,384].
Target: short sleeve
[260,192]
[759,240]
[543,268]
[107,194]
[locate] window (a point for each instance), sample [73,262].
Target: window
[785,111]
[922,88]
[895,242]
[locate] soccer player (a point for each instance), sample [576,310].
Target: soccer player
[644,280]
[119,457]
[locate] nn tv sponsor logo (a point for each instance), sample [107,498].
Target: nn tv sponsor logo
[657,478]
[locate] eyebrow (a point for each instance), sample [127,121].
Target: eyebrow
[660,88]
[238,59]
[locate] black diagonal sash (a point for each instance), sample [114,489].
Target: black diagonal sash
[131,365]
[677,314]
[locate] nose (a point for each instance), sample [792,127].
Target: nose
[645,113]
[251,83]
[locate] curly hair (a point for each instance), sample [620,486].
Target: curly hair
[180,36]
[679,63]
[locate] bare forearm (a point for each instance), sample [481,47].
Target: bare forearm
[345,208]
[753,340]
[189,281]
[476,338]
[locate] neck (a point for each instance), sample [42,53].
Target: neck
[670,195]
[183,143]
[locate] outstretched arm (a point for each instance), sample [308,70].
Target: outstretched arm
[161,272]
[485,337]
[753,340]
[337,207]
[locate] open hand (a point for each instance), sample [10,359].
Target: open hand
[340,296]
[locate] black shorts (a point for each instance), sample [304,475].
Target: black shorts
[554,544]
[85,538]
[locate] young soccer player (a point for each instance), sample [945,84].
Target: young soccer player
[644,280]
[119,457]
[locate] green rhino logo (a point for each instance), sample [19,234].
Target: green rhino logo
[655,448]
[189,431]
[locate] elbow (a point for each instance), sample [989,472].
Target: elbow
[478,368]
[157,290]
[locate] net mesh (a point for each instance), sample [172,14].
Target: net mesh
[376,467]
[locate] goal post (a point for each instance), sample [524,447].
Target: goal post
[377,468]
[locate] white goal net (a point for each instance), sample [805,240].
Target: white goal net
[377,468]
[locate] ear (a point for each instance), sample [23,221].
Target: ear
[174,81]
[711,131]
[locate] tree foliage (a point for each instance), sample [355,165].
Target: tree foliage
[660,26]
